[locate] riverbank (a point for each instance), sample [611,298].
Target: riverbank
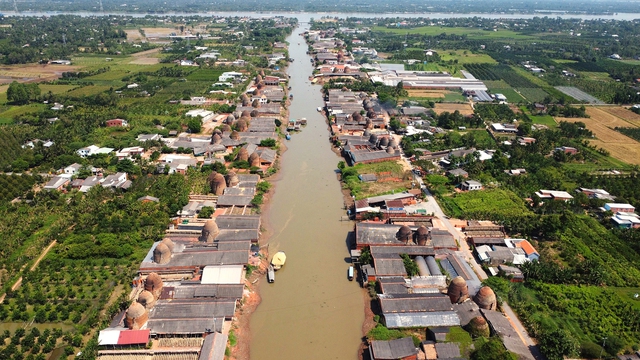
[252,298]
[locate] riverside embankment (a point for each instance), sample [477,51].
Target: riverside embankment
[312,311]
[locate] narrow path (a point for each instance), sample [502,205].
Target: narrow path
[432,206]
[44,253]
[18,282]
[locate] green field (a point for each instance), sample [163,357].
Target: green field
[88,90]
[543,120]
[55,89]
[109,75]
[8,115]
[533,94]
[205,75]
[511,94]
[472,33]
[466,57]
[478,204]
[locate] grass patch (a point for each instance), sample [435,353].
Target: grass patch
[467,57]
[109,75]
[88,90]
[382,333]
[460,336]
[205,75]
[533,94]
[543,120]
[485,204]
[8,115]
[391,178]
[511,94]
[454,97]
[55,89]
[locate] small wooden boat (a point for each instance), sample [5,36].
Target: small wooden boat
[319,109]
[278,260]
[290,96]
[350,273]
[271,274]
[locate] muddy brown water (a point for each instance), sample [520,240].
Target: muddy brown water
[312,311]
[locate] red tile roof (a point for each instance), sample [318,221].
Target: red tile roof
[131,337]
[527,247]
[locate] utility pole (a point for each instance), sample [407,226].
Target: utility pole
[604,340]
[15,6]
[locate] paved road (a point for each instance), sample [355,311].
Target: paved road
[432,207]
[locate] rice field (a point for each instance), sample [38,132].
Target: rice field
[464,109]
[624,114]
[602,124]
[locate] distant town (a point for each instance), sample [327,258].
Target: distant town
[475,178]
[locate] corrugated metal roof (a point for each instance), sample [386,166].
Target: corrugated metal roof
[222,274]
[447,350]
[238,221]
[389,267]
[213,347]
[428,303]
[421,319]
[108,337]
[393,349]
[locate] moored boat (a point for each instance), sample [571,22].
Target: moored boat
[278,260]
[287,136]
[271,274]
[350,273]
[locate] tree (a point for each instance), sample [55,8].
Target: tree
[557,343]
[409,265]
[492,350]
[17,93]
[205,212]
[269,142]
[195,125]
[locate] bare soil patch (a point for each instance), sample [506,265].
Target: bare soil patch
[159,32]
[464,109]
[33,72]
[428,93]
[134,35]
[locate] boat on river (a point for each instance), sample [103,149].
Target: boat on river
[287,136]
[350,273]
[271,274]
[278,260]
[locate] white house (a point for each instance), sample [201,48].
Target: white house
[230,76]
[149,137]
[471,185]
[72,169]
[114,181]
[87,151]
[206,115]
[210,55]
[132,86]
[129,152]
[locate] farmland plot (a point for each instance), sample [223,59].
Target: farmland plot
[602,124]
[578,94]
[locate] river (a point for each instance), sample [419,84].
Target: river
[305,17]
[311,311]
